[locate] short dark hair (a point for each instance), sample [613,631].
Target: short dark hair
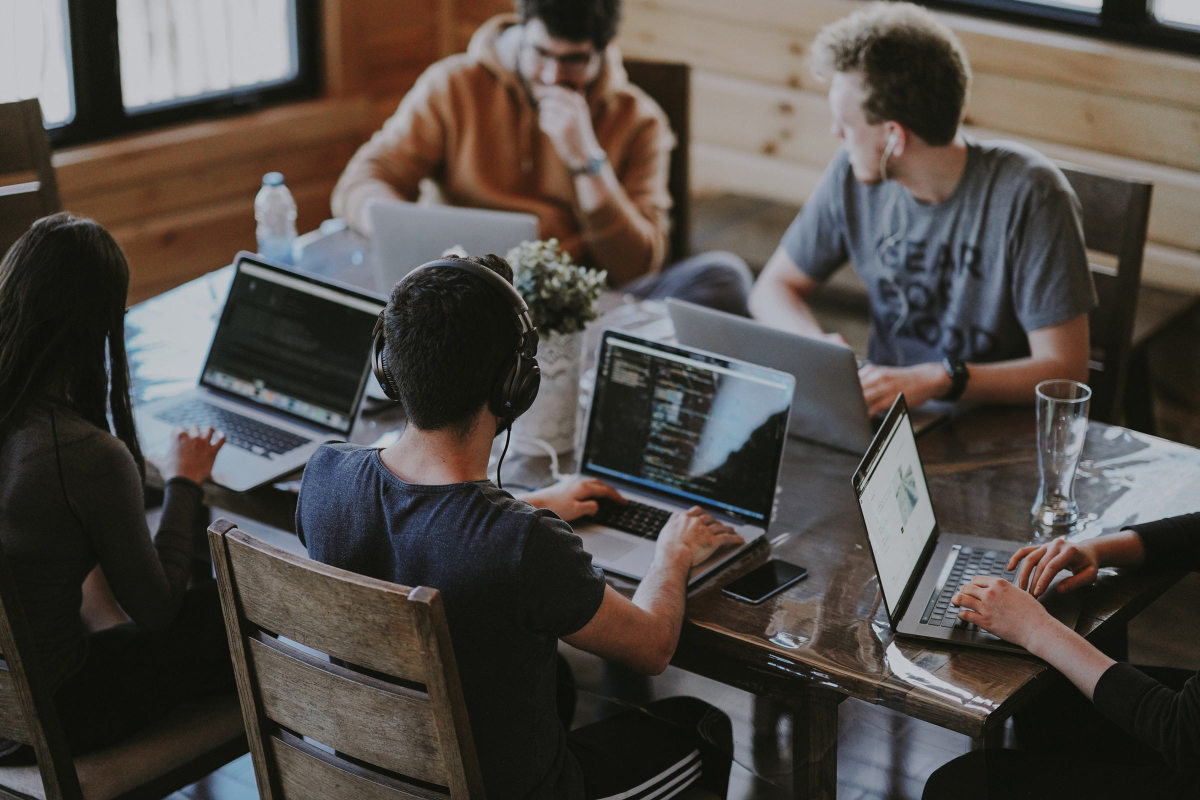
[592,21]
[914,69]
[448,335]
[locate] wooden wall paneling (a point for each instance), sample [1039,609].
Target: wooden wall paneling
[233,178]
[164,251]
[1141,129]
[786,123]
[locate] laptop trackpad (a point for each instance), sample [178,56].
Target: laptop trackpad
[604,548]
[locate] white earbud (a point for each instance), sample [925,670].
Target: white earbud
[892,141]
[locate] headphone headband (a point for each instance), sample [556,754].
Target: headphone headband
[518,383]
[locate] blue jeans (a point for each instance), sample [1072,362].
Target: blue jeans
[715,279]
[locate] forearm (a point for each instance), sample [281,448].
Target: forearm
[620,238]
[662,594]
[1015,381]
[776,303]
[1069,653]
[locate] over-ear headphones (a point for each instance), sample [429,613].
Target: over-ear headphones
[518,383]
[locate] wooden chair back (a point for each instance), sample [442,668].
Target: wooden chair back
[27,712]
[152,764]
[670,85]
[1116,212]
[28,188]
[348,684]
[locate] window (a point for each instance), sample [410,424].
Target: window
[104,67]
[1171,24]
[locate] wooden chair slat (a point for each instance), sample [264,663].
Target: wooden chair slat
[277,595]
[309,774]
[12,715]
[361,718]
[25,149]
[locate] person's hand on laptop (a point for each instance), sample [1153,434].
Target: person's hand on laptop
[696,533]
[1001,608]
[920,382]
[1040,563]
[573,498]
[192,453]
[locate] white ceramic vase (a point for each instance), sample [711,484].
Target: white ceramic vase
[551,418]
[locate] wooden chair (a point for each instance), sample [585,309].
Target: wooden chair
[28,188]
[172,754]
[669,84]
[348,684]
[1115,215]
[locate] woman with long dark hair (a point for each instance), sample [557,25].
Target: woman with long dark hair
[71,496]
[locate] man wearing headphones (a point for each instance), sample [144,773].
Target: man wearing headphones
[455,346]
[972,252]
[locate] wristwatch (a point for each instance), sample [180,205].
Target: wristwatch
[594,164]
[959,375]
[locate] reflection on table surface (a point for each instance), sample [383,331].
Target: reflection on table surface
[829,630]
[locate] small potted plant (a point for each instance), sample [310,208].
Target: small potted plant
[561,296]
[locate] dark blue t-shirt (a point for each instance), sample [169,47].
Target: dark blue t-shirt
[513,579]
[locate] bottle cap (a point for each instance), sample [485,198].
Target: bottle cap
[273,179]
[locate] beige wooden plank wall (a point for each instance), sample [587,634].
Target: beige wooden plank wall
[760,123]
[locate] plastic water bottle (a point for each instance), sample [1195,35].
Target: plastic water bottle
[275,213]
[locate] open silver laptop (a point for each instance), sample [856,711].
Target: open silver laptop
[828,405]
[285,372]
[671,428]
[406,235]
[920,568]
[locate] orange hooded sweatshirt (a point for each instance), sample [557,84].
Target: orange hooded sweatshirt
[469,125]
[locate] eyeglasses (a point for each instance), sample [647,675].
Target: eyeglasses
[575,63]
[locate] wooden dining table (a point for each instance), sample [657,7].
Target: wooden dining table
[826,638]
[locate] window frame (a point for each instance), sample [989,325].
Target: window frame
[1126,21]
[96,79]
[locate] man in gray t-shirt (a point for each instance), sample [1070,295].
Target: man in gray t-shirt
[972,252]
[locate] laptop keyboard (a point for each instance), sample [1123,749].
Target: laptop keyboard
[244,432]
[633,517]
[968,563]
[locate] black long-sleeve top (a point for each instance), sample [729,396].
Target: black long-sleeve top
[1165,719]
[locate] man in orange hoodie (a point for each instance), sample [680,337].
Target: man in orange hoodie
[538,116]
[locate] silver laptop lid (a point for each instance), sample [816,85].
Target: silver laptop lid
[293,344]
[897,511]
[406,235]
[690,426]
[827,406]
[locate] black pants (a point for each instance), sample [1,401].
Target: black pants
[657,749]
[1067,750]
[132,677]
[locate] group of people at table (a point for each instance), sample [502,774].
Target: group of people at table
[973,259]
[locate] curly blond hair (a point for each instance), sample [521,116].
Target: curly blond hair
[913,67]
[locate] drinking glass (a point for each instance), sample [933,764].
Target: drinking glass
[1062,422]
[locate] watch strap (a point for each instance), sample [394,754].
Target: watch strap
[959,374]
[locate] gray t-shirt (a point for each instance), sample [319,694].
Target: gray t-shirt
[513,580]
[966,278]
[71,498]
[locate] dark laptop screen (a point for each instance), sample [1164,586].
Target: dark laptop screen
[294,345]
[694,426]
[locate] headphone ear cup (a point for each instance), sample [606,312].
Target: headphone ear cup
[379,366]
[516,390]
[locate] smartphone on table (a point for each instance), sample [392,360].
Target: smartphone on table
[765,581]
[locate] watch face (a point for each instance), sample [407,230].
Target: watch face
[597,162]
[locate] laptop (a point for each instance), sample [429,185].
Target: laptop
[828,405]
[406,235]
[919,567]
[285,372]
[671,428]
